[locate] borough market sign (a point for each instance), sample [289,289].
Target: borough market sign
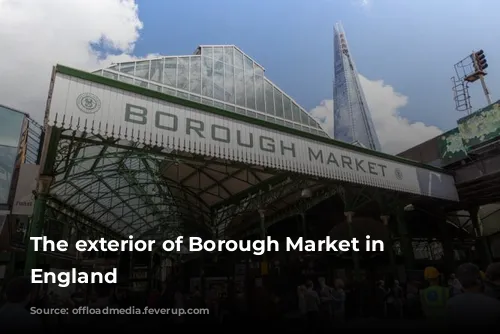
[124,114]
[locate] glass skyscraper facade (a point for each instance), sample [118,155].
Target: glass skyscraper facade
[352,119]
[221,76]
[11,126]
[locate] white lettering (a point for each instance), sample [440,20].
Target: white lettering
[326,245]
[256,247]
[65,278]
[36,276]
[49,245]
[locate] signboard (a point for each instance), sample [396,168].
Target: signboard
[481,126]
[451,147]
[26,185]
[77,104]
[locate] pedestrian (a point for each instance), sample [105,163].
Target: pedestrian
[472,308]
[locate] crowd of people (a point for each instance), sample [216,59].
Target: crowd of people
[468,297]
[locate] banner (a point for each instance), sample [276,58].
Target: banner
[84,105]
[24,199]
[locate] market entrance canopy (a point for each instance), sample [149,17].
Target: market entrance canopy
[88,106]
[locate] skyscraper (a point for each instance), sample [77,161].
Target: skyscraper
[352,119]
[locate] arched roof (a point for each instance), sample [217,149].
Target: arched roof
[221,76]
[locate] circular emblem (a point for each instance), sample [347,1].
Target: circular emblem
[88,103]
[398,173]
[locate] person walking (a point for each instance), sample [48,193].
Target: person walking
[14,317]
[472,308]
[492,281]
[339,298]
[434,298]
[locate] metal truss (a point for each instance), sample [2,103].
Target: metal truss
[145,191]
[297,208]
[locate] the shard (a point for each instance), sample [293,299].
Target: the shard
[352,119]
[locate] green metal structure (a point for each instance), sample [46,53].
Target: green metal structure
[116,186]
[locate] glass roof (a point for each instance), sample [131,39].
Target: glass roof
[221,76]
[134,189]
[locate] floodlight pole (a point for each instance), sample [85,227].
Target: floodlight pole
[485,89]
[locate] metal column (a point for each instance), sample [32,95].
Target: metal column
[481,242]
[355,255]
[388,244]
[37,222]
[405,241]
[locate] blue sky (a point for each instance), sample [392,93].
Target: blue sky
[411,45]
[405,49]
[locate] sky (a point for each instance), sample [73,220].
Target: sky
[404,49]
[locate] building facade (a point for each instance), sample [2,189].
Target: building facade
[221,76]
[352,119]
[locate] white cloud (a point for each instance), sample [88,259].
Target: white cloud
[35,35]
[395,132]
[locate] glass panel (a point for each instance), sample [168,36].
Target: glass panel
[271,119]
[169,91]
[154,87]
[114,67]
[241,111]
[228,55]
[229,107]
[280,121]
[142,69]
[238,59]
[258,70]
[249,84]
[207,80]
[183,95]
[278,102]
[248,63]
[269,98]
[195,75]
[287,106]
[169,71]
[259,93]
[289,124]
[229,84]
[195,98]
[207,51]
[251,114]
[110,75]
[127,68]
[219,80]
[304,119]
[207,101]
[239,86]
[218,54]
[296,112]
[157,70]
[11,123]
[262,117]
[183,73]
[126,79]
[141,83]
[219,105]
